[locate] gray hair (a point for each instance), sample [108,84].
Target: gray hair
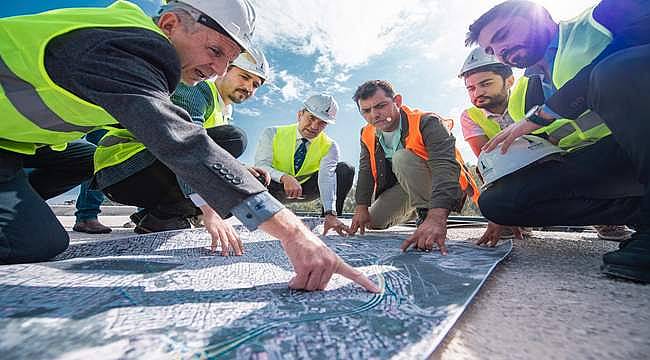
[186,13]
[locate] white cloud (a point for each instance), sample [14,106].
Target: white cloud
[290,87]
[248,111]
[346,33]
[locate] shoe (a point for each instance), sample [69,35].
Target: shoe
[613,232]
[136,217]
[92,226]
[150,223]
[507,233]
[632,260]
[196,221]
[421,215]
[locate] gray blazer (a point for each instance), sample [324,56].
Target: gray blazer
[131,73]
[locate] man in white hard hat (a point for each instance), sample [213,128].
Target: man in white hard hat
[304,162]
[592,74]
[488,84]
[129,174]
[70,71]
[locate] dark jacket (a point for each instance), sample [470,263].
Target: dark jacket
[131,73]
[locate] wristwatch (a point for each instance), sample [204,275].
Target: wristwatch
[329,212]
[533,116]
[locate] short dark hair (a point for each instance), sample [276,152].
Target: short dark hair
[523,8]
[370,87]
[502,70]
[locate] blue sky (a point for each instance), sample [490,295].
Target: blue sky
[335,45]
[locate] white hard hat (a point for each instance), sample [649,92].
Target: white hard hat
[236,17]
[477,58]
[254,62]
[524,151]
[323,106]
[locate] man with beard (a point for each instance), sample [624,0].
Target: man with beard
[488,84]
[593,72]
[129,174]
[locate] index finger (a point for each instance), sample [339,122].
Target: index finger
[492,143]
[407,243]
[506,143]
[342,230]
[235,243]
[443,247]
[354,227]
[253,171]
[357,276]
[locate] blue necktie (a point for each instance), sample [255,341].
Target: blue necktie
[299,156]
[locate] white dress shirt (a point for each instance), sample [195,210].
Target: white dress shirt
[326,173]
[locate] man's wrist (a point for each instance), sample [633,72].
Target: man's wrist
[535,115]
[256,209]
[437,215]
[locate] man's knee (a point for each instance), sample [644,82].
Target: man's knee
[37,246]
[231,138]
[497,207]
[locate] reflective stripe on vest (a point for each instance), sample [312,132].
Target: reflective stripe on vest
[284,148]
[117,146]
[490,127]
[580,41]
[35,110]
[415,143]
[215,118]
[566,133]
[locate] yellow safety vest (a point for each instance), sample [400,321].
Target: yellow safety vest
[215,117]
[581,40]
[36,111]
[490,127]
[119,145]
[284,148]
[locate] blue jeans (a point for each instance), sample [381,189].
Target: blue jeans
[29,230]
[89,201]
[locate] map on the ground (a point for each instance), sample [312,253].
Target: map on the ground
[164,295]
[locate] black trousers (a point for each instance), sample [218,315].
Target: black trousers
[310,190]
[29,230]
[605,183]
[156,188]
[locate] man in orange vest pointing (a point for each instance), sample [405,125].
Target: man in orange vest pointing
[409,163]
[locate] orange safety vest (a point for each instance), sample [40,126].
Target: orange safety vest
[415,143]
